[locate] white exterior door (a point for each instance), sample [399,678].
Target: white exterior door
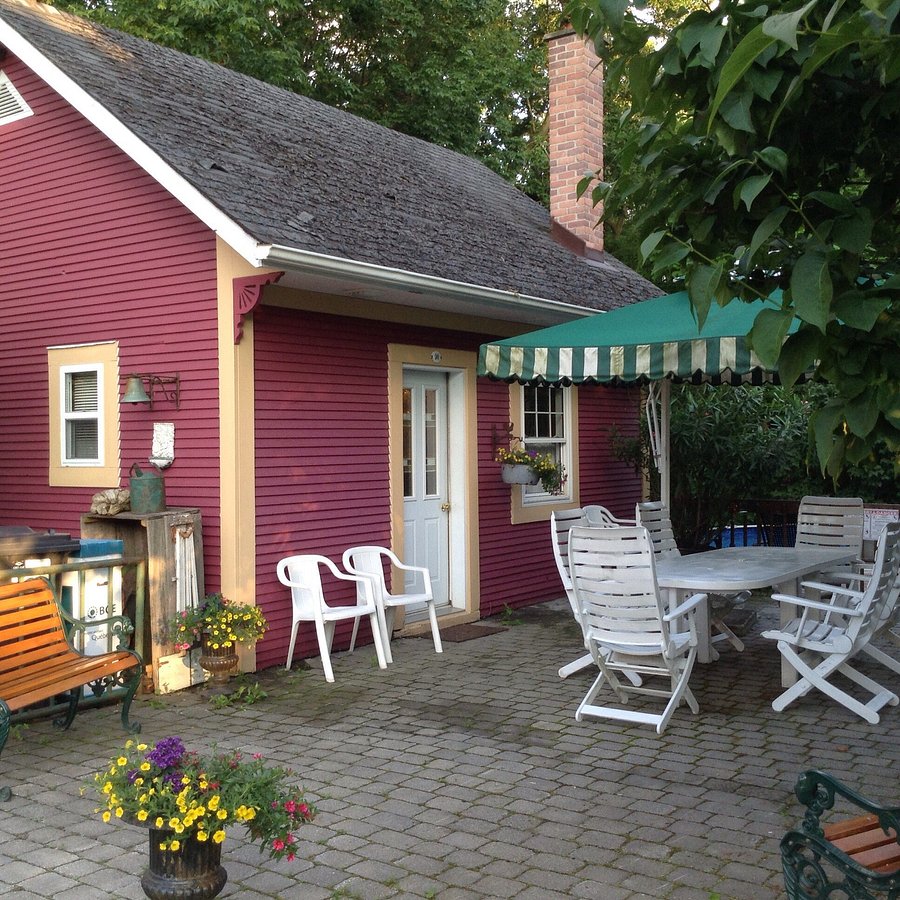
[426,506]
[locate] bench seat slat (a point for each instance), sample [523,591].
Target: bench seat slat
[837,830]
[65,674]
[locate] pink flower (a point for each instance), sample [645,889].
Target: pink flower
[257,756]
[290,806]
[277,844]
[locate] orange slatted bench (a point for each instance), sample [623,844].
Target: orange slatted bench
[38,661]
[857,857]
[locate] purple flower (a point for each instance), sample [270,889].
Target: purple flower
[166,753]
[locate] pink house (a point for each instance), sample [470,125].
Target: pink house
[320,285]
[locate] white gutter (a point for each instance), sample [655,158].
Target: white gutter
[320,264]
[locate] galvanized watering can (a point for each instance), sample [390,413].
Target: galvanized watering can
[148,490]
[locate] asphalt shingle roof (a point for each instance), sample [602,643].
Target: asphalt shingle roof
[295,172]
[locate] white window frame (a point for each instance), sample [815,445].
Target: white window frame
[66,416]
[533,495]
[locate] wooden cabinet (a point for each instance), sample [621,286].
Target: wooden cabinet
[172,543]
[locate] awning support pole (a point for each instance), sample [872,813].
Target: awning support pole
[665,444]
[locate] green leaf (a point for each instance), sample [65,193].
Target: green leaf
[833,201]
[775,158]
[736,111]
[740,60]
[798,354]
[859,310]
[784,27]
[823,423]
[702,283]
[670,254]
[649,244]
[861,414]
[811,289]
[853,234]
[749,189]
[767,334]
[766,229]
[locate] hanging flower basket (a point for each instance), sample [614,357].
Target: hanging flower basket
[513,473]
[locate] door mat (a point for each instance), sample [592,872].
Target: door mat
[458,633]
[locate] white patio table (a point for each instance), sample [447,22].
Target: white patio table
[734,569]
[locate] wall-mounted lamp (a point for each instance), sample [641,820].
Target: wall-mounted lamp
[167,385]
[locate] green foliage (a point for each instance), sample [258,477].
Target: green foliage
[761,153]
[466,74]
[246,693]
[729,445]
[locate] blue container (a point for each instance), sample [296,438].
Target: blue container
[752,539]
[93,547]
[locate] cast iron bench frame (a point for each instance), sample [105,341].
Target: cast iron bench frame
[864,850]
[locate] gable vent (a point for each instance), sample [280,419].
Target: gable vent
[12,106]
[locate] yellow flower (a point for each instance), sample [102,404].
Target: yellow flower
[121,761]
[202,836]
[119,812]
[174,822]
[142,747]
[222,814]
[160,821]
[219,836]
[106,816]
[107,788]
[174,845]
[213,802]
[142,815]
[145,766]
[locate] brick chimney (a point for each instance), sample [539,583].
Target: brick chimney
[575,121]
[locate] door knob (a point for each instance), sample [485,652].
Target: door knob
[445,507]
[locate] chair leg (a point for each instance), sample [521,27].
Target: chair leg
[379,645]
[577,665]
[882,657]
[325,636]
[290,656]
[435,632]
[725,633]
[386,626]
[353,635]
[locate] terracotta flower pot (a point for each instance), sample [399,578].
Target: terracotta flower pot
[192,872]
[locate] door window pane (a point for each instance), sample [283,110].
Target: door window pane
[407,443]
[431,472]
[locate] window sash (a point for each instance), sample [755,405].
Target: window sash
[81,392]
[545,418]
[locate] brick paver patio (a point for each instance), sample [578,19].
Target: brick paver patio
[464,776]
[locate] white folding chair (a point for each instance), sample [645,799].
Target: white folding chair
[654,516]
[303,576]
[561,521]
[368,562]
[626,624]
[827,636]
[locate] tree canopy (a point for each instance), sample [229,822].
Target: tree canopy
[763,156]
[469,75]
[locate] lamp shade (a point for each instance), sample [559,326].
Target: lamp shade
[134,390]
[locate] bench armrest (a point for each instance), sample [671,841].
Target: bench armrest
[121,626]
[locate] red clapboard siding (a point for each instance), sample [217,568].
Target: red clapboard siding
[94,250]
[322,479]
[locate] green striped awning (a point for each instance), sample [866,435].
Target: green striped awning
[645,341]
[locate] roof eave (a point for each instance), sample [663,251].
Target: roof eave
[441,292]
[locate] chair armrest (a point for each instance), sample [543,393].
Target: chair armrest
[826,588]
[815,604]
[686,606]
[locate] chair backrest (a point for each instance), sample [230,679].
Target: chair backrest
[561,521]
[881,591]
[369,560]
[614,581]
[601,517]
[302,575]
[832,522]
[654,516]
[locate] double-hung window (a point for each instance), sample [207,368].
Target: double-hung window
[84,415]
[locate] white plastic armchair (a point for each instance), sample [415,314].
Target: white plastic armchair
[627,626]
[368,562]
[833,523]
[303,576]
[600,517]
[826,637]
